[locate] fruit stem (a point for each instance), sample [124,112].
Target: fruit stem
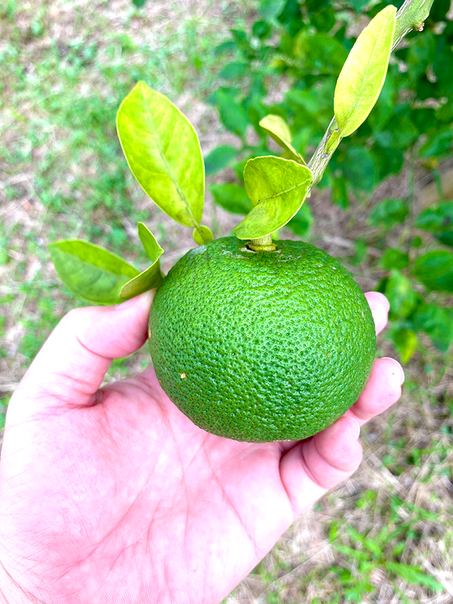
[262,244]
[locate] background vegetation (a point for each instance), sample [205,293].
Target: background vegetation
[383,209]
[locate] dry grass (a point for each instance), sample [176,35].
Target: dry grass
[64,68]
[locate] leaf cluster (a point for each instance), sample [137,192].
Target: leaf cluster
[306,44]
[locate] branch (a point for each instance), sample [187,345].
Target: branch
[410,16]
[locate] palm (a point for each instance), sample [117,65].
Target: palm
[115,496]
[147,497]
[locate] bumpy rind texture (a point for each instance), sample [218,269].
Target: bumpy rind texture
[261,346]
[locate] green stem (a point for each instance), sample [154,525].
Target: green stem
[262,244]
[410,16]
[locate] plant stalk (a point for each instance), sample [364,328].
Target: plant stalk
[262,244]
[411,15]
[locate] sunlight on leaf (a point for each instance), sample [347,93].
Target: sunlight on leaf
[91,271]
[363,74]
[279,131]
[149,242]
[163,153]
[277,188]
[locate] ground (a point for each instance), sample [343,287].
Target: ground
[64,68]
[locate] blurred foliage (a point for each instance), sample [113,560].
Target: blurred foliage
[286,63]
[63,173]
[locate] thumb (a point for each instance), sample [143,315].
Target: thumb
[73,362]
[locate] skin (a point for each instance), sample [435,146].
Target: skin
[111,495]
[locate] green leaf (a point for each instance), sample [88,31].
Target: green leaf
[261,30]
[232,198]
[363,74]
[405,342]
[300,223]
[91,271]
[394,258]
[358,5]
[438,143]
[388,212]
[150,245]
[234,70]
[202,235]
[435,270]
[402,298]
[416,242]
[149,279]
[388,161]
[163,153]
[304,99]
[270,9]
[437,323]
[279,131]
[224,47]
[152,276]
[241,39]
[359,169]
[437,218]
[277,188]
[446,237]
[399,133]
[420,55]
[301,138]
[340,193]
[232,115]
[219,158]
[319,54]
[332,142]
[361,251]
[324,20]
[413,574]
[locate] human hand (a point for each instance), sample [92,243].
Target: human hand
[112,495]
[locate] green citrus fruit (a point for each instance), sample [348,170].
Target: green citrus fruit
[261,346]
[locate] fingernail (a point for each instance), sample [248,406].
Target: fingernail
[144,299]
[399,368]
[385,301]
[357,427]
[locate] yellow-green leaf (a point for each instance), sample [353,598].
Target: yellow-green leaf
[362,77]
[149,242]
[277,188]
[405,342]
[91,271]
[163,153]
[149,279]
[202,235]
[152,276]
[279,131]
[333,142]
